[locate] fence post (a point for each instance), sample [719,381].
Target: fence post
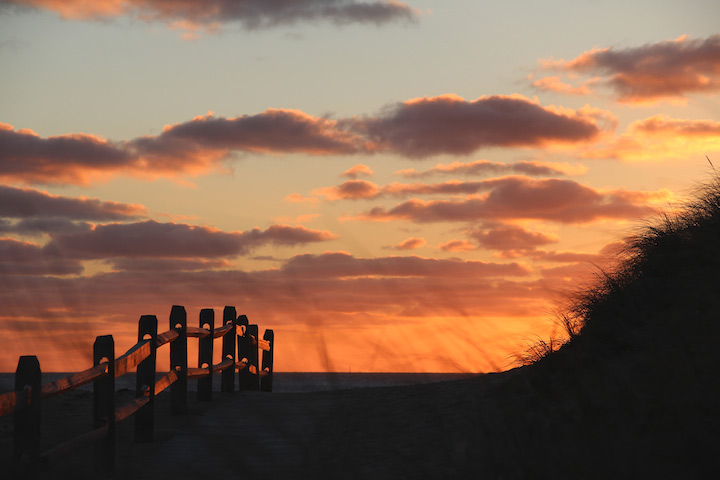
[205,354]
[178,360]
[145,379]
[253,357]
[104,403]
[26,449]
[243,353]
[227,379]
[267,363]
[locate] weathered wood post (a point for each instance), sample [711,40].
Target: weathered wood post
[145,381]
[227,379]
[104,403]
[205,354]
[178,360]
[243,355]
[253,357]
[26,450]
[267,363]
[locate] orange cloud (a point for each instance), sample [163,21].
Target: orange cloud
[193,147]
[665,71]
[412,243]
[555,84]
[73,158]
[662,137]
[297,198]
[207,138]
[357,171]
[556,200]
[34,205]
[350,190]
[210,14]
[457,246]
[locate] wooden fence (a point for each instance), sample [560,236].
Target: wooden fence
[240,347]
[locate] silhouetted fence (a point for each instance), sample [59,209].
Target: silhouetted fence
[240,347]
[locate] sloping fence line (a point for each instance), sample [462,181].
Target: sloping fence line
[240,353]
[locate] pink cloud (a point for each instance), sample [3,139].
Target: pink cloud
[667,70]
[449,124]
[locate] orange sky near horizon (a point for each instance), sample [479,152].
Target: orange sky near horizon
[399,191]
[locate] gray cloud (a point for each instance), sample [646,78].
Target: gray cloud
[451,125]
[150,239]
[21,258]
[30,203]
[252,14]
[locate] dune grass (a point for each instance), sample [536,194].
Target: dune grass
[665,282]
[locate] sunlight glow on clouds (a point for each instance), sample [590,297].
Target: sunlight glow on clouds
[562,201]
[449,124]
[415,129]
[660,138]
[665,71]
[153,239]
[446,219]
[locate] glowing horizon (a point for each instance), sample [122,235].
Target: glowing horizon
[381,199]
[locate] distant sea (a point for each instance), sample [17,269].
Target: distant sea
[289,381]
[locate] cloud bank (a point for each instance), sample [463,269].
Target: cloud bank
[414,129]
[151,239]
[515,198]
[449,124]
[29,203]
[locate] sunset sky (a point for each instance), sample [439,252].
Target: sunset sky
[390,186]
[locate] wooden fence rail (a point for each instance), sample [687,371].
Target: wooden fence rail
[240,347]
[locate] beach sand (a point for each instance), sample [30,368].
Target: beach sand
[531,422]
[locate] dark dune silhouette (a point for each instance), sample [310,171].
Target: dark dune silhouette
[633,394]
